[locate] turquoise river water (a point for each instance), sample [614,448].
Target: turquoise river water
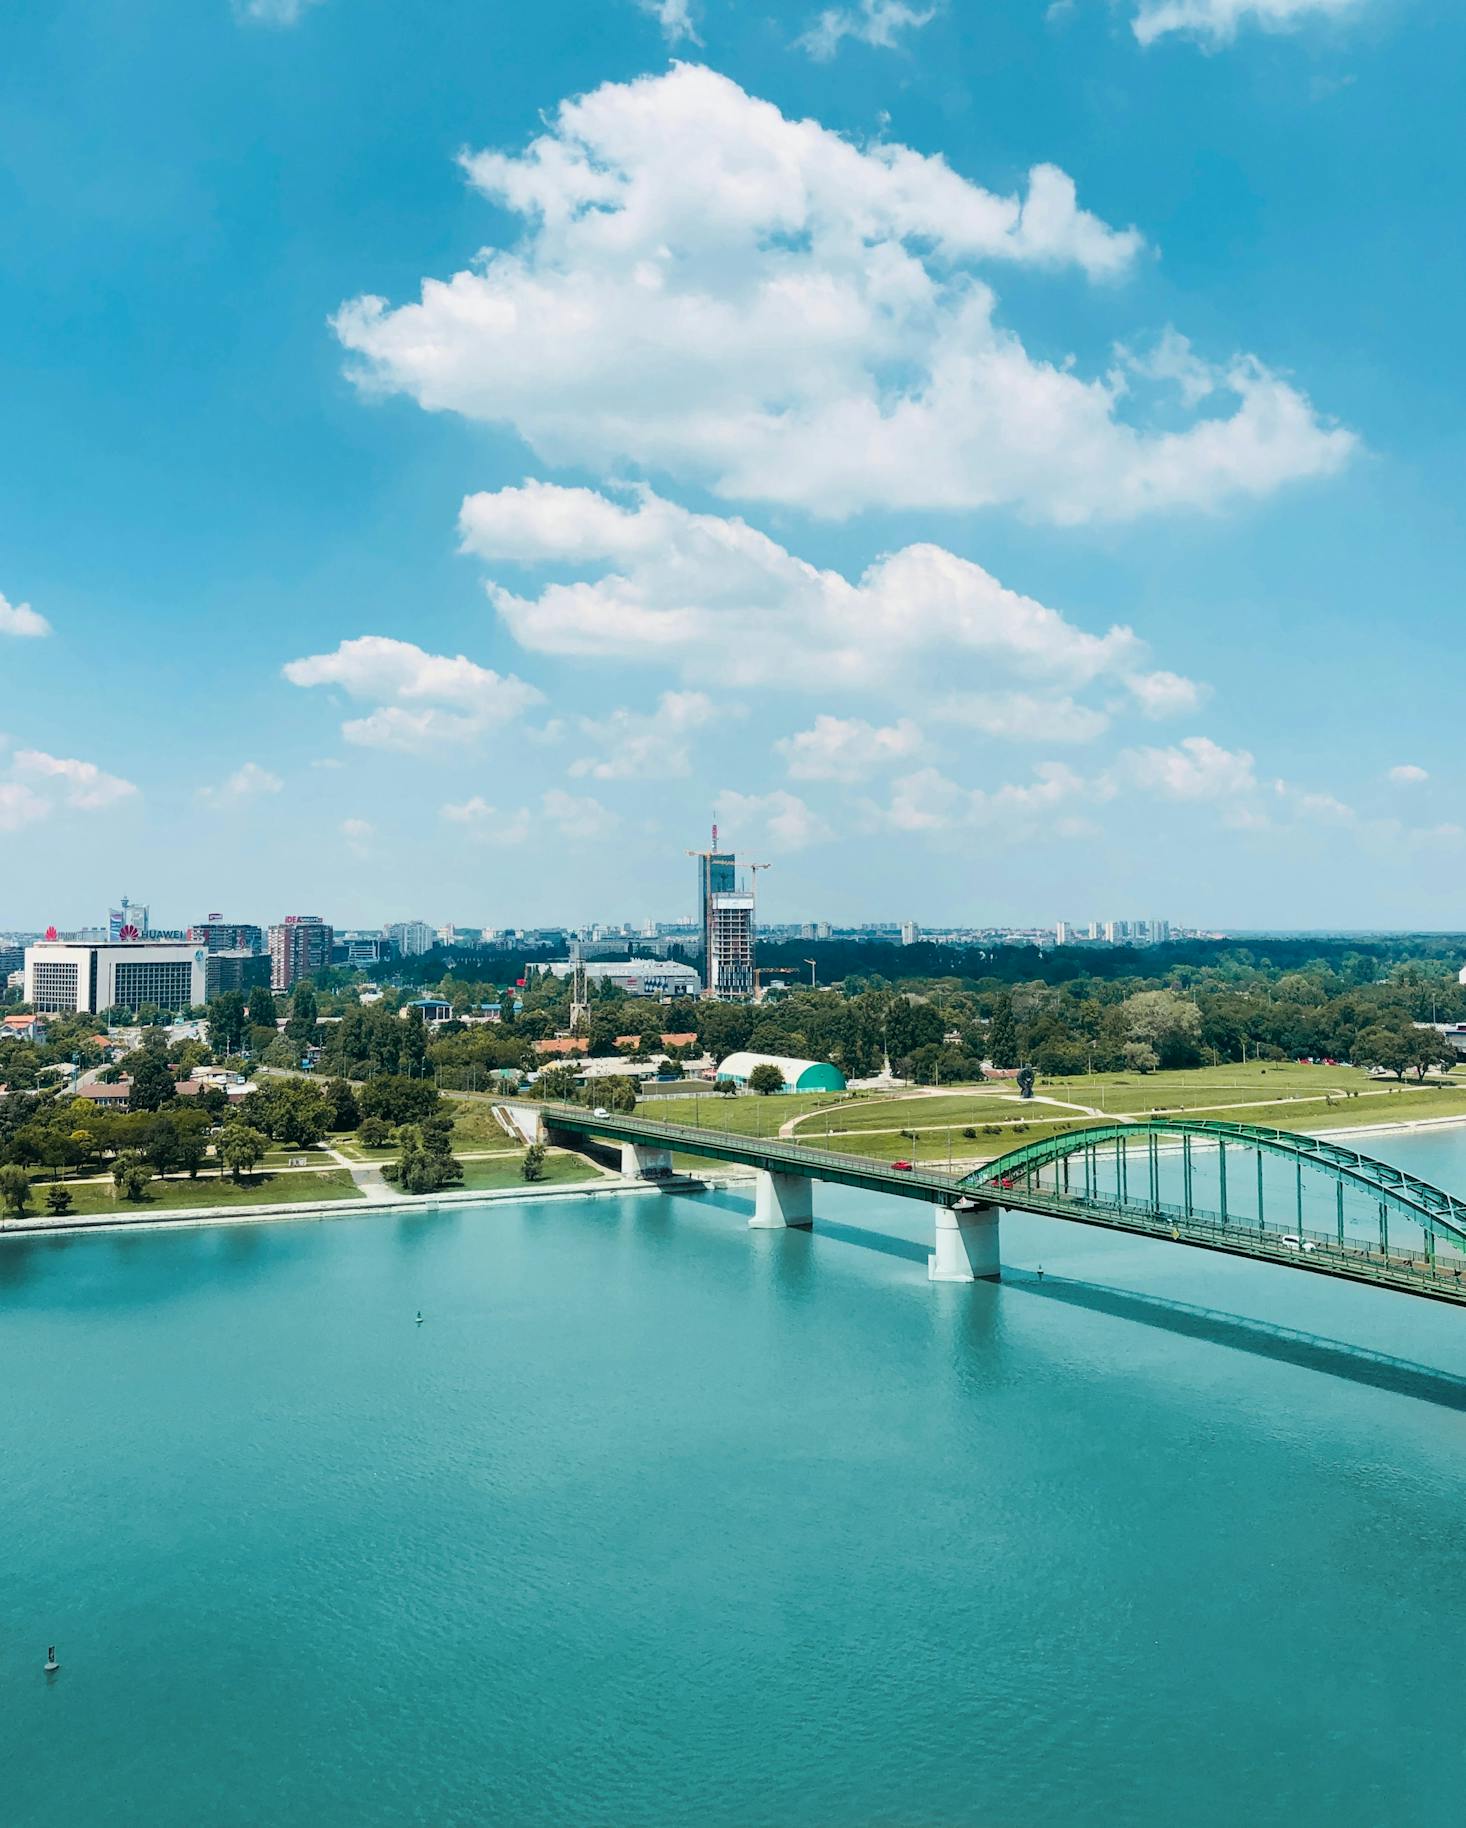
[656,1521]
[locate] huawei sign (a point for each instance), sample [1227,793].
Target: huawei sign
[51,933]
[128,931]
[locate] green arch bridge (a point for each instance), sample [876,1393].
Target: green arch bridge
[1271,1195]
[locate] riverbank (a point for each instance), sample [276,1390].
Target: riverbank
[44,1225]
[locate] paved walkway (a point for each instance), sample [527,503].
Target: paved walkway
[368,1177]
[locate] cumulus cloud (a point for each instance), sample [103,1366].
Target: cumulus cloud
[706,287]
[423,701]
[1163,694]
[1408,774]
[1021,717]
[21,620]
[929,801]
[674,17]
[645,747]
[1217,22]
[873,22]
[39,784]
[1196,768]
[723,603]
[570,816]
[246,783]
[848,748]
[777,821]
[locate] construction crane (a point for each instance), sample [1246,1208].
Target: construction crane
[763,971]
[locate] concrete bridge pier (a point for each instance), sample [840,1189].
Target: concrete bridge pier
[967,1244]
[781,1201]
[645,1161]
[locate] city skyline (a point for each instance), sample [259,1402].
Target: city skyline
[368,597]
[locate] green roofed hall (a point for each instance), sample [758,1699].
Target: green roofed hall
[799,1075]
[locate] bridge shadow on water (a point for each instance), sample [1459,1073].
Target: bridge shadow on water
[1264,1339]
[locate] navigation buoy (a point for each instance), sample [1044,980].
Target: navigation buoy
[51,1664]
[419,1317]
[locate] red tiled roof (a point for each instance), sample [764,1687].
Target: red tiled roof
[564,1044]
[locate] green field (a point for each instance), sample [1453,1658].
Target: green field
[474,1126]
[486,1175]
[172,1195]
[1276,1095]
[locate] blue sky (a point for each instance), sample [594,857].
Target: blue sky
[1006,461]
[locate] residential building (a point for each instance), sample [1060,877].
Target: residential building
[411,937]
[716,875]
[23,1028]
[93,975]
[1061,933]
[910,932]
[300,946]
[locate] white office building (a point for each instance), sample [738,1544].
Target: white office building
[90,976]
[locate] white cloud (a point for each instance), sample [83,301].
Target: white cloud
[646,747]
[777,821]
[1217,22]
[80,785]
[21,620]
[873,22]
[1196,768]
[1021,717]
[1161,695]
[709,288]
[1408,774]
[246,783]
[358,834]
[571,817]
[574,816]
[20,805]
[674,17]
[425,701]
[848,748]
[725,604]
[929,801]
[273,12]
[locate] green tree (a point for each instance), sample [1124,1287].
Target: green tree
[426,1162]
[292,1111]
[191,1151]
[399,1099]
[262,1010]
[15,1189]
[1002,1037]
[345,1112]
[765,1078]
[1389,1047]
[58,1201]
[226,1022]
[373,1132]
[160,1146]
[240,1147]
[152,1081]
[560,1084]
[532,1166]
[131,1175]
[303,1016]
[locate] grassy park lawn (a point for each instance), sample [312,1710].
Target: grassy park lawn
[504,1171]
[746,1115]
[474,1126]
[173,1195]
[358,1152]
[932,1146]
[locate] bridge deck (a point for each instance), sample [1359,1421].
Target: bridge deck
[1441,1280]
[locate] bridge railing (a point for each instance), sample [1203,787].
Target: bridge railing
[803,1155]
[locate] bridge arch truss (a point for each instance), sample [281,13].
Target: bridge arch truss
[1201,1174]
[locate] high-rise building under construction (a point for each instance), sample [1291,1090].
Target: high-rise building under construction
[725,924]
